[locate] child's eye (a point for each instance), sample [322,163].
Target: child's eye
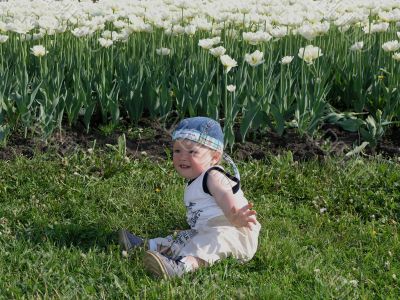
[176,151]
[193,151]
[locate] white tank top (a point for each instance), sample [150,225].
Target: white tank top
[201,206]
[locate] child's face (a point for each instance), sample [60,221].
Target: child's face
[191,159]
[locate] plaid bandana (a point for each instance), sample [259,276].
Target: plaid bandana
[198,137]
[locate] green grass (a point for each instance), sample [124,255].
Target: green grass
[58,218]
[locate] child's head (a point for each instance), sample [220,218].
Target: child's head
[198,145]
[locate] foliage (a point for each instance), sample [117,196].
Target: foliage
[110,60]
[328,229]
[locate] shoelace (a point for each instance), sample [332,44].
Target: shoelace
[176,264]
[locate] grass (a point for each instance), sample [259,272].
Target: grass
[329,229]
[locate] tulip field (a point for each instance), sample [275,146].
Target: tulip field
[307,93]
[258,64]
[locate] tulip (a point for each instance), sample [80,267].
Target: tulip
[231,88]
[254,59]
[218,51]
[163,51]
[357,46]
[391,46]
[228,62]
[396,56]
[286,60]
[105,42]
[206,43]
[39,51]
[309,53]
[3,38]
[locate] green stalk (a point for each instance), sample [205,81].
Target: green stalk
[226,96]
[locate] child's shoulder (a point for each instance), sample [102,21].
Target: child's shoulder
[218,177]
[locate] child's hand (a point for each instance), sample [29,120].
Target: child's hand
[244,217]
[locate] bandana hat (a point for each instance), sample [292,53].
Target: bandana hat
[204,131]
[201,130]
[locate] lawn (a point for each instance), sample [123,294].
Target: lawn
[329,229]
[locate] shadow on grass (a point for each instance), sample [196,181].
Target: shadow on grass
[80,236]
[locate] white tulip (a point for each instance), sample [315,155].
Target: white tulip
[254,38]
[105,42]
[232,33]
[206,43]
[48,23]
[398,34]
[322,28]
[183,4]
[123,36]
[216,40]
[190,29]
[81,31]
[231,88]
[308,32]
[357,46]
[3,38]
[391,46]
[290,18]
[377,27]
[278,32]
[228,62]
[178,29]
[3,27]
[21,27]
[286,60]
[202,24]
[309,53]
[163,51]
[120,24]
[344,28]
[244,8]
[110,35]
[39,51]
[218,51]
[396,56]
[387,16]
[216,31]
[37,36]
[254,59]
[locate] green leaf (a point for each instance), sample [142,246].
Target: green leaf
[352,125]
[89,109]
[252,118]
[279,120]
[357,149]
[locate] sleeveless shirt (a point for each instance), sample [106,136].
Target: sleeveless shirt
[201,206]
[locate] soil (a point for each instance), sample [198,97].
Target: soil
[151,139]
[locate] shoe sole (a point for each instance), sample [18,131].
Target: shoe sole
[123,240]
[154,265]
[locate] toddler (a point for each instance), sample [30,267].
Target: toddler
[221,220]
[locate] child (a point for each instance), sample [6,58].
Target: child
[221,220]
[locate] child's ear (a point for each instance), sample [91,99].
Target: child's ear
[217,157]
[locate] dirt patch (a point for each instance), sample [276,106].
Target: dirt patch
[152,139]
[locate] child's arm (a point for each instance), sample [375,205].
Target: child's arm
[220,188]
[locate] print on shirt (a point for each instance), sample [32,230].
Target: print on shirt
[193,215]
[184,236]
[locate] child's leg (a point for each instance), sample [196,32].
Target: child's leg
[192,263]
[172,244]
[167,267]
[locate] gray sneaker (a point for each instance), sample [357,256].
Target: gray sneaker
[163,266]
[129,241]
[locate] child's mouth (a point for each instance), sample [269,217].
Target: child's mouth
[184,166]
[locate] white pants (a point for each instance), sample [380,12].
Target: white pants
[210,243]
